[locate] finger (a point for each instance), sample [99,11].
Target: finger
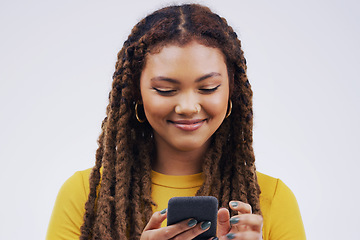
[223,223]
[250,235]
[177,229]
[236,226]
[252,221]
[241,207]
[156,219]
[193,232]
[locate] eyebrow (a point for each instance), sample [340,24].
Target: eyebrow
[202,78]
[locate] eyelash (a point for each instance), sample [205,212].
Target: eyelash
[209,90]
[171,92]
[164,93]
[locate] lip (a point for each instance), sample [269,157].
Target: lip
[188,125]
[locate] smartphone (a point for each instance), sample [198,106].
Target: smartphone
[201,208]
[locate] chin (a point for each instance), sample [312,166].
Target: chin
[189,146]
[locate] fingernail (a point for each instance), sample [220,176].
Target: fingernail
[234,204]
[163,211]
[205,225]
[230,235]
[192,222]
[234,220]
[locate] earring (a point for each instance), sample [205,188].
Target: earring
[137,116]
[229,110]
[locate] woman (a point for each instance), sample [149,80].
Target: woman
[179,123]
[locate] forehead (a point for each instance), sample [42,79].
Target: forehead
[191,56]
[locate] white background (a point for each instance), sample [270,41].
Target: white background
[56,64]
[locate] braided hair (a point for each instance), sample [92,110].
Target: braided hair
[119,203]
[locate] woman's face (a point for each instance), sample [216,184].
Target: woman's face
[185,92]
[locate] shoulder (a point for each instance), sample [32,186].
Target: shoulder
[77,185]
[271,187]
[267,184]
[69,208]
[282,218]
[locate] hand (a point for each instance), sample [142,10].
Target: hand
[245,225]
[187,229]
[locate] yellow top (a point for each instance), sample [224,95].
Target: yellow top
[282,219]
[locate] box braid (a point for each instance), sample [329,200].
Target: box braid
[119,203]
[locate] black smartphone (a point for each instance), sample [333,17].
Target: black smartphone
[201,208]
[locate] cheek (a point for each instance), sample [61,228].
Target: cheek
[155,107]
[217,106]
[217,110]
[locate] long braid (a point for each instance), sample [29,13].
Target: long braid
[220,147]
[144,205]
[137,191]
[124,158]
[138,220]
[103,227]
[226,182]
[94,180]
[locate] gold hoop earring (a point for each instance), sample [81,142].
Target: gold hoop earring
[230,108]
[136,114]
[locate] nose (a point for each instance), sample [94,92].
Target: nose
[188,104]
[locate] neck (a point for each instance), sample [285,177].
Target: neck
[171,161]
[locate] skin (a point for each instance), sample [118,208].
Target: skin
[185,94]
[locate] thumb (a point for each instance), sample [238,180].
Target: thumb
[223,222]
[156,219]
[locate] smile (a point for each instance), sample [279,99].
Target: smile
[188,125]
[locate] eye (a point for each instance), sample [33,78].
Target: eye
[165,92]
[209,90]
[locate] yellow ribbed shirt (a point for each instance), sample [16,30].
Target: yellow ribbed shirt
[282,219]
